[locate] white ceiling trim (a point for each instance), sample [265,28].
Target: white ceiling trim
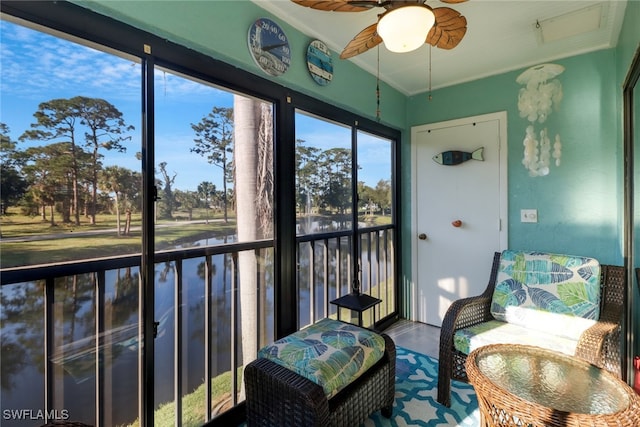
[501,37]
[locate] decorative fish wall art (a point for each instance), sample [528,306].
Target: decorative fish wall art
[452,158]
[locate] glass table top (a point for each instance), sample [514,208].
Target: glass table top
[553,380]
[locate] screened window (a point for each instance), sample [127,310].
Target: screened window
[214,175]
[375,180]
[71,190]
[323,175]
[375,215]
[124,232]
[213,152]
[71,180]
[345,241]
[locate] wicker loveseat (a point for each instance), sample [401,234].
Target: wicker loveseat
[278,396]
[598,342]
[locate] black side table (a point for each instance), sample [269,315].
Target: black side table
[357,302]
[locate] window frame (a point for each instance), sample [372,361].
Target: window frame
[69,20]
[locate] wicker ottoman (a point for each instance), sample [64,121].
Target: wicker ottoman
[277,396]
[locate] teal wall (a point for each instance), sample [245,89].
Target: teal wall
[219,29]
[628,44]
[578,202]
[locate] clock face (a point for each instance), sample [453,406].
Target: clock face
[319,62]
[269,47]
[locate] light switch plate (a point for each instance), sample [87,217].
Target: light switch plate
[528,215]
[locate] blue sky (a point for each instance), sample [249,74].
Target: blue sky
[36,67]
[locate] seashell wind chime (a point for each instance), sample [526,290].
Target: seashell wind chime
[535,101]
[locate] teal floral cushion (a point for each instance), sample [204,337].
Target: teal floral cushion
[532,284]
[330,353]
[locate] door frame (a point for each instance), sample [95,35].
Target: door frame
[501,116]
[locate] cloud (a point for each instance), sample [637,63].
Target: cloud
[39,66]
[36,64]
[179,88]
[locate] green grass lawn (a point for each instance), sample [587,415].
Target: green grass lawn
[31,241]
[28,240]
[193,404]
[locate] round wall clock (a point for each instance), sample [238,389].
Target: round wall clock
[269,47]
[319,62]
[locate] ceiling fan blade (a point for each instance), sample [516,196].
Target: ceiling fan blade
[337,5]
[449,29]
[362,42]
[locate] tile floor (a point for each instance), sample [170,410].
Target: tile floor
[415,336]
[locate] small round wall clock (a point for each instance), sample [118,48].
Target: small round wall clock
[269,47]
[319,62]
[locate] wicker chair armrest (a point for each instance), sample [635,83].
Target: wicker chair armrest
[592,340]
[461,314]
[468,312]
[294,399]
[591,345]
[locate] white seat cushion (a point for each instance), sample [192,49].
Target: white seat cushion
[497,332]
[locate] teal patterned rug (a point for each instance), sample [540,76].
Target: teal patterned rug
[416,391]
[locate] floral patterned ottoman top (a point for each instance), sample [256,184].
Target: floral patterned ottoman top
[330,353]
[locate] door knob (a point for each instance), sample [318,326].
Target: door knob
[422,236]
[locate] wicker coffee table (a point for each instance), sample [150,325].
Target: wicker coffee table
[521,385]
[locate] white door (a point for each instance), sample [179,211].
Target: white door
[460,216]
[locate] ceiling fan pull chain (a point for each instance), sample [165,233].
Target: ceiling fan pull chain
[430,97]
[378,87]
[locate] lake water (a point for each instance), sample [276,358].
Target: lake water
[74,368]
[74,356]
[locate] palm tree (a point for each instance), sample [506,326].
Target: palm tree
[206,189]
[112,180]
[246,159]
[253,188]
[214,139]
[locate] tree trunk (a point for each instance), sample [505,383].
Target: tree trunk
[117,202]
[246,159]
[76,192]
[127,226]
[66,210]
[265,194]
[224,184]
[206,210]
[93,207]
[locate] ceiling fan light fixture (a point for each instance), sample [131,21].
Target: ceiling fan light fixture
[405,28]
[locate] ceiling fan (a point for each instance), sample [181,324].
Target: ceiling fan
[404,26]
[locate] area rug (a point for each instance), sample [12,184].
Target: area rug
[416,391]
